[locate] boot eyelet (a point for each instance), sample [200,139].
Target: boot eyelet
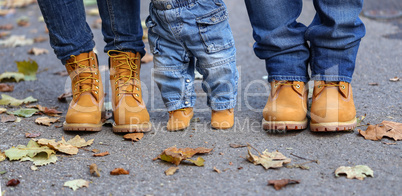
[136,95]
[297,85]
[343,86]
[96,73]
[96,92]
[117,89]
[115,82]
[92,58]
[118,94]
[319,86]
[97,87]
[137,89]
[97,80]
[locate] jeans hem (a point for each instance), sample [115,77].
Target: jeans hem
[290,78]
[332,78]
[223,105]
[175,105]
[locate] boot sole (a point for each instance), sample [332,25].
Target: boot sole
[284,125]
[333,126]
[132,128]
[81,127]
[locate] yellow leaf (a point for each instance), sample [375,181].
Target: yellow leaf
[76,184]
[267,159]
[358,172]
[171,171]
[2,156]
[79,142]
[175,155]
[46,121]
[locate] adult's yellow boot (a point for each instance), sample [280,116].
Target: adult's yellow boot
[286,108]
[130,113]
[333,108]
[84,112]
[179,119]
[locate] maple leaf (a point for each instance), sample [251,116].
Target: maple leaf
[267,159]
[171,171]
[279,184]
[119,171]
[76,184]
[6,87]
[134,136]
[358,172]
[41,159]
[24,112]
[93,169]
[31,150]
[46,121]
[12,76]
[386,128]
[175,155]
[61,146]
[79,142]
[8,100]
[2,156]
[28,68]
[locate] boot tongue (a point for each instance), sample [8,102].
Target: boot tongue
[83,67]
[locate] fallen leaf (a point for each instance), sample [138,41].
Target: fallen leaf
[28,68]
[31,150]
[8,118]
[13,182]
[267,159]
[134,136]
[34,168]
[198,162]
[23,21]
[61,146]
[13,76]
[4,34]
[18,120]
[97,24]
[46,110]
[93,169]
[38,51]
[3,172]
[360,120]
[301,166]
[240,168]
[171,171]
[217,170]
[237,146]
[175,155]
[17,3]
[147,58]
[358,172]
[62,97]
[2,110]
[24,112]
[2,156]
[386,128]
[32,135]
[279,184]
[6,87]
[16,40]
[79,142]
[8,100]
[6,27]
[76,184]
[119,171]
[61,73]
[46,121]
[102,154]
[95,150]
[41,159]
[394,79]
[40,39]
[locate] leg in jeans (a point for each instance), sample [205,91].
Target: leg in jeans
[279,38]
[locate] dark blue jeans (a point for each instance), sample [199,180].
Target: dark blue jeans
[71,35]
[334,36]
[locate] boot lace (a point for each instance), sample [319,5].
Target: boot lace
[331,84]
[126,65]
[85,76]
[286,82]
[182,109]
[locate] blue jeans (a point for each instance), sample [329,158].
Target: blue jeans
[71,35]
[181,30]
[334,36]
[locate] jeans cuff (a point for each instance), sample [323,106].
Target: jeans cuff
[290,78]
[223,105]
[179,104]
[332,78]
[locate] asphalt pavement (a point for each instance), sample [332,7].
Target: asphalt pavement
[378,60]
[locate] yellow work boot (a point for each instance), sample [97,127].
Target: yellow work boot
[179,119]
[286,108]
[332,108]
[130,113]
[84,111]
[222,119]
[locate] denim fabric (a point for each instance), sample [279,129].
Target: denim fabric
[181,30]
[71,35]
[334,37]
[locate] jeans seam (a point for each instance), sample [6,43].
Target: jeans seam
[112,24]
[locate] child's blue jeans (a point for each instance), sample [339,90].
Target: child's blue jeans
[71,35]
[180,30]
[334,37]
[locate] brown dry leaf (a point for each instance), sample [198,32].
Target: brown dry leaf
[171,171]
[134,136]
[386,128]
[268,159]
[40,39]
[175,155]
[119,171]
[93,169]
[279,184]
[32,135]
[8,118]
[6,27]
[61,146]
[38,51]
[237,146]
[62,97]
[217,170]
[79,142]
[358,172]
[97,24]
[2,156]
[6,87]
[23,22]
[46,120]
[394,79]
[102,154]
[147,58]
[95,150]
[46,110]
[13,182]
